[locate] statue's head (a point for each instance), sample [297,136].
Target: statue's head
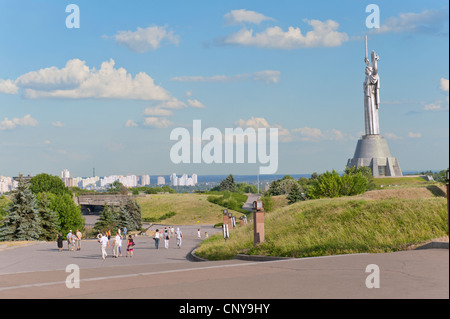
[368,70]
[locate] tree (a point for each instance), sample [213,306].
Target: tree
[45,183]
[49,219]
[107,220]
[124,219]
[246,188]
[268,202]
[69,214]
[134,211]
[228,184]
[295,194]
[366,172]
[353,184]
[331,184]
[22,221]
[282,186]
[118,187]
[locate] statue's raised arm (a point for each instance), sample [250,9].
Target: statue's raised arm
[371,94]
[366,59]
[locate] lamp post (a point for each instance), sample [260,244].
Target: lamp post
[225,230]
[447,179]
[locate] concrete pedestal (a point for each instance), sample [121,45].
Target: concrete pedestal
[373,151]
[258,227]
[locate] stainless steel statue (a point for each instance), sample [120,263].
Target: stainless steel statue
[372,149]
[371,94]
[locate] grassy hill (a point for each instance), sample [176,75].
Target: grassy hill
[189,209]
[378,221]
[404,181]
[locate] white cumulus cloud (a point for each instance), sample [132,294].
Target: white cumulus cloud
[131,123]
[444,85]
[158,122]
[268,76]
[313,134]
[259,122]
[323,34]
[8,87]
[146,39]
[58,124]
[196,104]
[439,105]
[427,21]
[76,80]
[242,16]
[414,135]
[157,111]
[8,124]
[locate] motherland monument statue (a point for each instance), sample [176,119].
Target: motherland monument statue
[372,149]
[372,94]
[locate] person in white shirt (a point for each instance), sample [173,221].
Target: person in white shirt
[104,242]
[166,238]
[116,245]
[156,238]
[179,235]
[69,239]
[120,246]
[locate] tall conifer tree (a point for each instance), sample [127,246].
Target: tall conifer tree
[23,221]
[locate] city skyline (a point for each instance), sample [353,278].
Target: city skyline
[108,94]
[94,182]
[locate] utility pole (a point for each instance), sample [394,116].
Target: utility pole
[258,183]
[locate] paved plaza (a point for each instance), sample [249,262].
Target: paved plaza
[39,271]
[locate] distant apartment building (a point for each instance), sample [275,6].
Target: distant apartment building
[67,180]
[174,179]
[183,180]
[161,181]
[65,174]
[6,184]
[144,180]
[88,183]
[129,181]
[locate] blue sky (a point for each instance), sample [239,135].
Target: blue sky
[108,94]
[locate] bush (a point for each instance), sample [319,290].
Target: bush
[160,218]
[333,185]
[268,202]
[233,201]
[69,214]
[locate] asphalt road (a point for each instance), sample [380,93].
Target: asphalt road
[39,271]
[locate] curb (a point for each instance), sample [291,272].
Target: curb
[193,257]
[260,257]
[434,245]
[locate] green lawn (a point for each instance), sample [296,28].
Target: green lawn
[189,209]
[337,226]
[402,182]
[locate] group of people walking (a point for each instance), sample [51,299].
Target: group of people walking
[73,240]
[166,234]
[104,238]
